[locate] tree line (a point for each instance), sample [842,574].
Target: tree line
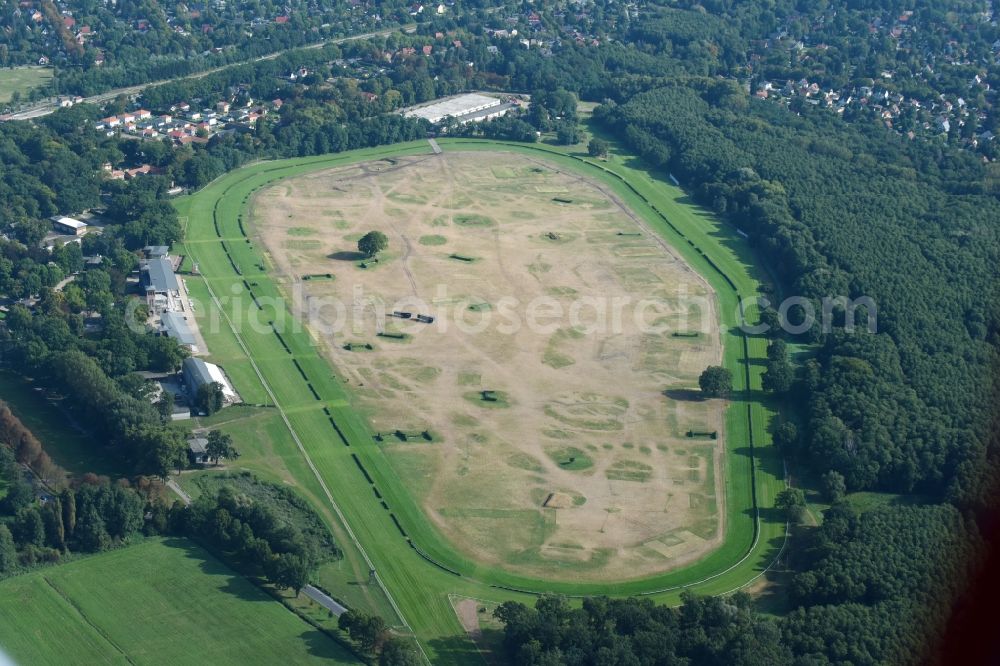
[852,595]
[250,537]
[91,517]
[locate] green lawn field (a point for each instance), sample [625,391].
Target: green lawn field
[161,601]
[70,448]
[416,567]
[22,79]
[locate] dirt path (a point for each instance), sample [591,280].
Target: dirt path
[469,617]
[467,611]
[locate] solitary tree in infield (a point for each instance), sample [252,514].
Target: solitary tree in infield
[372,243]
[716,381]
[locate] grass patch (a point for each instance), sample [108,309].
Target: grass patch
[555,360]
[161,601]
[433,239]
[309,244]
[488,398]
[629,470]
[558,238]
[473,220]
[868,501]
[22,80]
[571,458]
[505,172]
[525,461]
[406,198]
[469,378]
[301,231]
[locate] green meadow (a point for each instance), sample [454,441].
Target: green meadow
[22,80]
[161,601]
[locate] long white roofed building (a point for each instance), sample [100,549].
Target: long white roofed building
[463,108]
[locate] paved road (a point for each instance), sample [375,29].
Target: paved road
[188,311]
[46,108]
[324,600]
[63,283]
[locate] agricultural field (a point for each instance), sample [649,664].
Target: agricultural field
[132,605]
[557,447]
[21,80]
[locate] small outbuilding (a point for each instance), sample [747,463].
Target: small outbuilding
[198,450]
[196,374]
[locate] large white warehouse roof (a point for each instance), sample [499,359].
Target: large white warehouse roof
[458,106]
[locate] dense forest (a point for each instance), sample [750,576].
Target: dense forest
[873,588]
[836,212]
[52,168]
[895,568]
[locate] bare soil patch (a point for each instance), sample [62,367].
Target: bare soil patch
[559,433]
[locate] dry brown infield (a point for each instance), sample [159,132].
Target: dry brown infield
[542,419]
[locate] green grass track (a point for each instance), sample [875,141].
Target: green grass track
[419,571]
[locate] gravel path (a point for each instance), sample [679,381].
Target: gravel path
[324,600]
